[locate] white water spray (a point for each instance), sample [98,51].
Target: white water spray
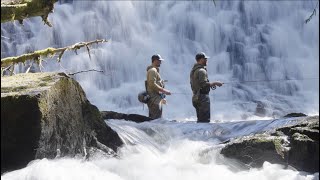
[250,40]
[166,150]
[254,40]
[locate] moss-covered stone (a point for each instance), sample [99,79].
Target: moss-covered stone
[294,115]
[295,145]
[51,114]
[253,151]
[304,152]
[19,10]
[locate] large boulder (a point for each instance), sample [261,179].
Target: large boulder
[296,146]
[44,115]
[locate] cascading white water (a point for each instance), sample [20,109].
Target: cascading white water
[166,150]
[248,41]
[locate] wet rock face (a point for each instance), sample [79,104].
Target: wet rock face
[260,109]
[253,151]
[20,130]
[296,146]
[294,115]
[46,113]
[304,145]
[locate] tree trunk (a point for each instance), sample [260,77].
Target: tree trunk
[20,9]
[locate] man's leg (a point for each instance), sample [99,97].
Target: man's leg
[204,108]
[196,106]
[155,110]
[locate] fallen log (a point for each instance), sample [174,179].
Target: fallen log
[128,117]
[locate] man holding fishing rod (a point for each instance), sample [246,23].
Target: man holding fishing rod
[200,86]
[155,88]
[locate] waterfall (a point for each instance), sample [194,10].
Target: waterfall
[247,41]
[252,44]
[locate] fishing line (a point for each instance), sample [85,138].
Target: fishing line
[231,82]
[254,81]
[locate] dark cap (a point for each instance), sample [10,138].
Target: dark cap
[201,55]
[157,57]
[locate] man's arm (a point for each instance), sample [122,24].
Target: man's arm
[216,83]
[152,80]
[203,80]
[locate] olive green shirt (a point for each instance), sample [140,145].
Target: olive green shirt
[199,78]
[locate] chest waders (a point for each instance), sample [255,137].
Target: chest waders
[201,99]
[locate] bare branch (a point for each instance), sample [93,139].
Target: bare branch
[46,52]
[45,20]
[29,67]
[88,52]
[40,65]
[313,13]
[3,69]
[85,71]
[214,2]
[13,5]
[60,55]
[11,70]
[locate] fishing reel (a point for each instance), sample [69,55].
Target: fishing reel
[162,95]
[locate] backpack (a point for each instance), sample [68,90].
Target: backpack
[143,97]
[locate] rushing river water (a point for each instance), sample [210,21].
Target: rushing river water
[260,41]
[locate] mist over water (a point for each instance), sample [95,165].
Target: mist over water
[247,41]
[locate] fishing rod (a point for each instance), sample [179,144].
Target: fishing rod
[254,81]
[231,82]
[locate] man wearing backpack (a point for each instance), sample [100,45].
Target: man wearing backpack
[155,88]
[200,86]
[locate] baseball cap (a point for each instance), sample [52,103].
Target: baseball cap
[157,56]
[201,55]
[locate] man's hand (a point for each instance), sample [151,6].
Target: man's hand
[216,83]
[163,101]
[165,91]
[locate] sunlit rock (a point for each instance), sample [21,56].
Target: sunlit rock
[296,146]
[47,115]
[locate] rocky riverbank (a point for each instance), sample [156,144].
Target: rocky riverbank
[296,146]
[45,115]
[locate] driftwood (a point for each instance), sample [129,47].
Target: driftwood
[85,71]
[313,13]
[48,52]
[21,9]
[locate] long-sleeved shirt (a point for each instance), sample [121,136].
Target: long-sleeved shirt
[199,78]
[154,81]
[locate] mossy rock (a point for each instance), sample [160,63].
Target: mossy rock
[254,150]
[50,114]
[295,145]
[25,9]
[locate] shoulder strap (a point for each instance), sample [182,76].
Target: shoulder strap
[192,73]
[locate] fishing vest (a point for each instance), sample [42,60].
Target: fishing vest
[195,80]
